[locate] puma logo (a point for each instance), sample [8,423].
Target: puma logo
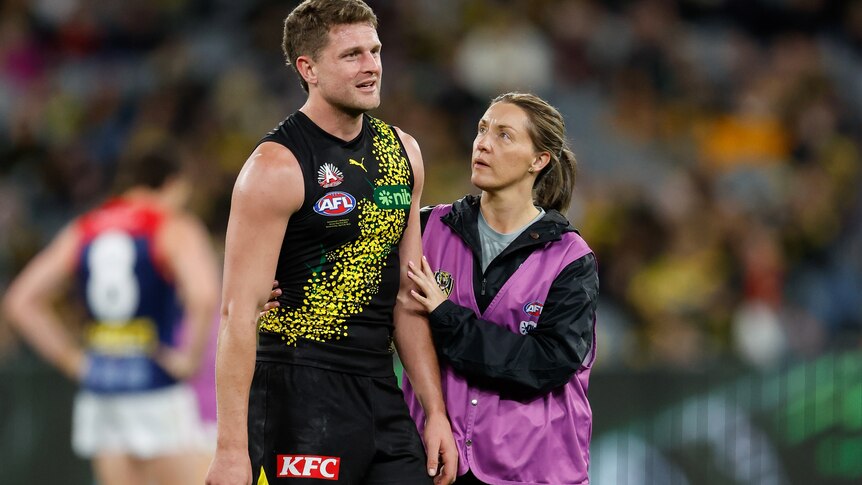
[358,164]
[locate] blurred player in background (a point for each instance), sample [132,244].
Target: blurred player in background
[142,266]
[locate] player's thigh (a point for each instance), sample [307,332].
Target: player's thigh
[117,469]
[309,424]
[174,469]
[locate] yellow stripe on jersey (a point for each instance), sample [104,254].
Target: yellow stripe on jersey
[124,337]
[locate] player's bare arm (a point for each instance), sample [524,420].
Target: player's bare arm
[413,339]
[28,304]
[267,192]
[185,243]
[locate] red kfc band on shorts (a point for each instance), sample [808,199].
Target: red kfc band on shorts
[308,466]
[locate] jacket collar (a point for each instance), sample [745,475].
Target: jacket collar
[464,220]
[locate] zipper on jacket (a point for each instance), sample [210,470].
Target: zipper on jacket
[483,285]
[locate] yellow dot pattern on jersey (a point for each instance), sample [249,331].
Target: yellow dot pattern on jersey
[331,297]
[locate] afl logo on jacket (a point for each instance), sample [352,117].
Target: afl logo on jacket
[534,308]
[335,204]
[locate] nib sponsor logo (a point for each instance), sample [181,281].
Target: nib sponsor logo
[308,466]
[393,197]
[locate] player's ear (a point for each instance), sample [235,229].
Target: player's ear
[306,68]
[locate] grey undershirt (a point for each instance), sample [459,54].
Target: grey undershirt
[493,243]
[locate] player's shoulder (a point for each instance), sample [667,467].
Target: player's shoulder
[272,175]
[406,138]
[270,162]
[270,154]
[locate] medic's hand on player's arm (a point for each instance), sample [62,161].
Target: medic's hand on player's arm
[429,295]
[273,298]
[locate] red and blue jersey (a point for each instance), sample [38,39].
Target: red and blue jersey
[132,304]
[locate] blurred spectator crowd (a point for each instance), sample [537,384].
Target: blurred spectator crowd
[718,140]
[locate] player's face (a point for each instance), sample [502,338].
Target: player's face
[502,150]
[349,68]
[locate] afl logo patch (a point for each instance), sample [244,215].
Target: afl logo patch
[444,281]
[534,308]
[335,204]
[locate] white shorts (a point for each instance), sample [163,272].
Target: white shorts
[144,425]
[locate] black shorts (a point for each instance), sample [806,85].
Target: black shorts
[314,426]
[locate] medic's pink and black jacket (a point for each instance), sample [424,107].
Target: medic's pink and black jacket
[129,297]
[516,345]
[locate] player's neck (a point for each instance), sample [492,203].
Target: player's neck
[166,198]
[142,195]
[338,123]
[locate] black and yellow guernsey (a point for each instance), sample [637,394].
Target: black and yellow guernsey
[339,262]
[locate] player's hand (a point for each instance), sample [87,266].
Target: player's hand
[429,295]
[229,467]
[179,364]
[273,298]
[442,453]
[75,365]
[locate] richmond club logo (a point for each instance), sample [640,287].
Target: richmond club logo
[329,176]
[444,281]
[335,204]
